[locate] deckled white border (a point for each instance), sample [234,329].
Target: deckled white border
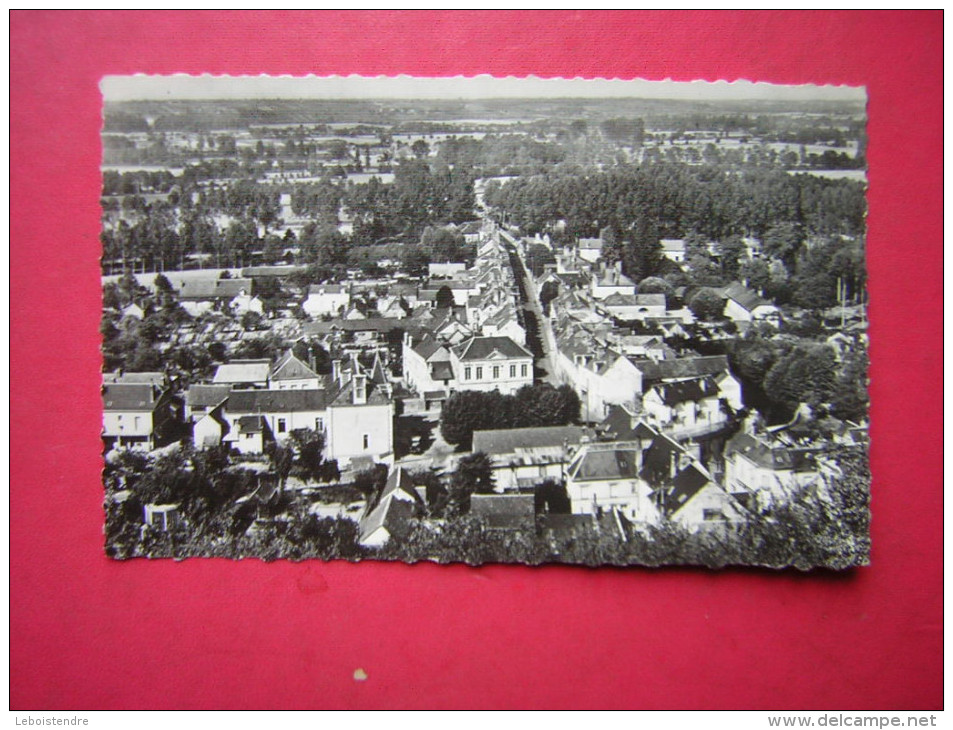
[207,86]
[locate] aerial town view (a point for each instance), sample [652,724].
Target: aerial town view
[545,326]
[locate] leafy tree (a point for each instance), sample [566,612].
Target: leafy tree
[443,244]
[420,148]
[312,352]
[642,257]
[308,446]
[612,249]
[551,496]
[806,374]
[850,399]
[655,285]
[783,242]
[415,260]
[707,304]
[462,413]
[436,491]
[251,321]
[112,298]
[370,482]
[731,250]
[548,292]
[163,284]
[444,298]
[282,459]
[217,351]
[752,358]
[167,481]
[323,245]
[474,475]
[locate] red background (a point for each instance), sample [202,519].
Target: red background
[87,633]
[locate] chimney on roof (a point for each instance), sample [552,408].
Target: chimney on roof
[336,371]
[673,465]
[359,392]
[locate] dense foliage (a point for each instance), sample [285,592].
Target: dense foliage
[542,404]
[711,200]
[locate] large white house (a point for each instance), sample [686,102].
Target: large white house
[426,365]
[491,363]
[744,305]
[361,424]
[326,299]
[650,485]
[524,457]
[136,415]
[291,373]
[765,475]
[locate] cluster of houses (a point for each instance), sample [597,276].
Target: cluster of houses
[479,343]
[623,471]
[640,461]
[650,411]
[251,403]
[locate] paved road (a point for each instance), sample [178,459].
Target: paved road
[532,305]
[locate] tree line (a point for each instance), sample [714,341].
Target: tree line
[541,404]
[711,200]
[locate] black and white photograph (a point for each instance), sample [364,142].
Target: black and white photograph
[485,320]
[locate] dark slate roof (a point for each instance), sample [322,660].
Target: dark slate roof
[378,375]
[206,396]
[650,300]
[271,270]
[508,440]
[504,511]
[375,396]
[290,367]
[251,424]
[682,367]
[605,461]
[480,348]
[686,390]
[276,401]
[396,505]
[799,460]
[743,296]
[427,347]
[371,324]
[129,397]
[573,278]
[618,425]
[657,460]
[214,288]
[394,515]
[686,484]
[145,378]
[442,370]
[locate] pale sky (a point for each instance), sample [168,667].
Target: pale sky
[182,86]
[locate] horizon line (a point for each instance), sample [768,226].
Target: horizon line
[206,87]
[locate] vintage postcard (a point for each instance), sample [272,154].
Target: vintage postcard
[485,320]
